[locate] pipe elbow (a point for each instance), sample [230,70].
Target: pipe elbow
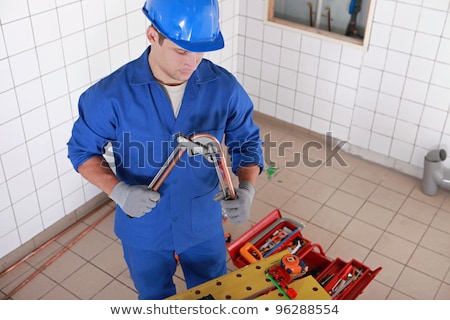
[437,155]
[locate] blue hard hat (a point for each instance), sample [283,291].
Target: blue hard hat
[191,24]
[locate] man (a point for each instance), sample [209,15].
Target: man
[140,109]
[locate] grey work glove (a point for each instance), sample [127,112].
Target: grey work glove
[238,210]
[134,200]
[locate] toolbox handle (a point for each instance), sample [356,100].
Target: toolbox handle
[310,248]
[274,226]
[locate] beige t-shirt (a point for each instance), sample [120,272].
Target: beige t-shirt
[175,94]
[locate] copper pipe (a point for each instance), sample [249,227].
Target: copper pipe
[329,18]
[168,170]
[47,243]
[56,256]
[310,14]
[222,162]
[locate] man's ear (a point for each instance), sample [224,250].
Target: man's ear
[152,34]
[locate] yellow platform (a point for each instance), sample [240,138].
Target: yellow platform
[250,282]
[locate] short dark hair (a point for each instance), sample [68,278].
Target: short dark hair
[161,37]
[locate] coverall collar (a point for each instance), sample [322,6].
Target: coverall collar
[142,74]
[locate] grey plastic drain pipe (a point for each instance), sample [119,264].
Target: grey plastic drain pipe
[434,174]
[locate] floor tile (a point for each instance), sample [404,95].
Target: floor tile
[125,278]
[362,233]
[302,207]
[447,277]
[375,215]
[91,244]
[390,271]
[64,266]
[351,162]
[358,186]
[387,198]
[446,204]
[345,202]
[331,219]
[289,180]
[330,176]
[274,195]
[436,241]
[319,236]
[347,250]
[107,227]
[441,221]
[111,260]
[443,292]
[299,165]
[316,190]
[116,291]
[407,228]
[87,281]
[371,172]
[396,295]
[259,210]
[399,182]
[15,276]
[435,201]
[375,291]
[394,247]
[418,210]
[35,289]
[420,261]
[417,285]
[59,293]
[16,279]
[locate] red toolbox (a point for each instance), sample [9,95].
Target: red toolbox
[341,279]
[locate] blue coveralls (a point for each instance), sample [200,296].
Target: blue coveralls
[130,109]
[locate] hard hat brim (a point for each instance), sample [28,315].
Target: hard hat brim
[205,46]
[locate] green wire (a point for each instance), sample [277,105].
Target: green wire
[277,285]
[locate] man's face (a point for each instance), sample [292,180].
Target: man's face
[171,64]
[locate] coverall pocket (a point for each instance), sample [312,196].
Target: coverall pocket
[206,213]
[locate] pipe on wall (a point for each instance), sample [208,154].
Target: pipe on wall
[434,174]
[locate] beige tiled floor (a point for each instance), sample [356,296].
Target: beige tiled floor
[359,210]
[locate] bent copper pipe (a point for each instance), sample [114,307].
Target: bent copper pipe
[223,173]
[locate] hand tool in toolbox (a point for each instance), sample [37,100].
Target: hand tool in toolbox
[280,275]
[280,235]
[280,279]
[346,280]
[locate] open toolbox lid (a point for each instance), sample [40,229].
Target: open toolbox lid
[348,279]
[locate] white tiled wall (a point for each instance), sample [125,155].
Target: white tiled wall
[390,103]
[51,51]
